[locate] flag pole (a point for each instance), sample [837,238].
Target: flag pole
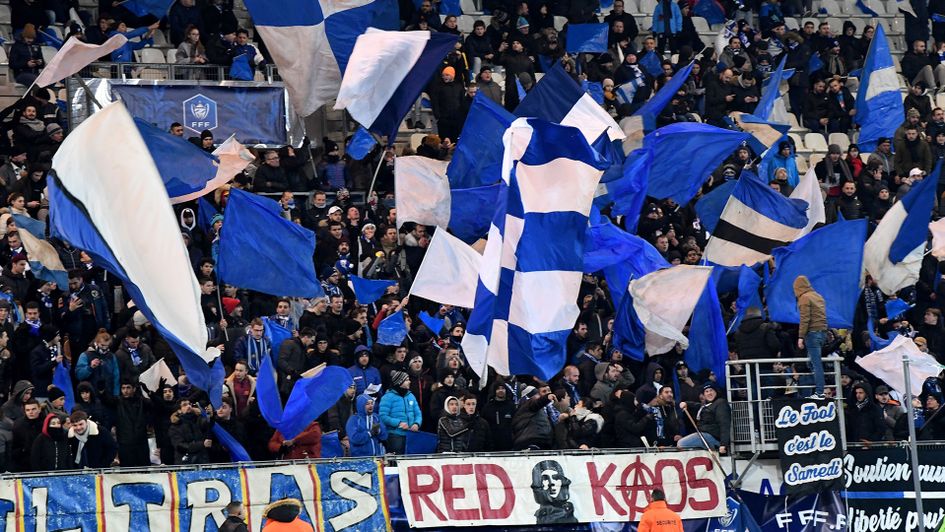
[226,333]
[913,451]
[88,91]
[377,169]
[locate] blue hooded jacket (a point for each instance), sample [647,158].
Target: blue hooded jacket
[359,426]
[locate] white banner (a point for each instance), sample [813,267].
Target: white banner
[532,490]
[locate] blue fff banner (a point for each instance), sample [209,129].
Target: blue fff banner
[336,497]
[256,115]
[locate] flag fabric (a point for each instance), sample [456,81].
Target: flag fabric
[367,291]
[128,227]
[808,190]
[158,8]
[276,334]
[205,213]
[711,10]
[591,38]
[814,63]
[388,70]
[893,254]
[63,381]
[449,272]
[237,452]
[477,159]
[866,9]
[361,144]
[469,208]
[764,134]
[331,446]
[748,284]
[652,62]
[188,171]
[629,334]
[664,301]
[311,396]
[708,347]
[938,238]
[531,268]
[558,98]
[43,258]
[886,364]
[680,178]
[906,7]
[770,92]
[260,250]
[74,56]
[654,106]
[756,219]
[620,255]
[896,307]
[392,330]
[815,255]
[311,42]
[435,325]
[595,89]
[422,191]
[151,377]
[878,103]
[628,190]
[710,206]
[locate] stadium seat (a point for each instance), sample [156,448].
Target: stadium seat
[940,100]
[171,55]
[160,40]
[647,7]
[465,23]
[151,55]
[416,139]
[631,6]
[701,24]
[792,121]
[840,139]
[815,158]
[801,163]
[48,53]
[5,17]
[54,31]
[815,142]
[832,7]
[468,7]
[4,65]
[798,142]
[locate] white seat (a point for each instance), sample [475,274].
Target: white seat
[840,139]
[53,31]
[171,55]
[5,15]
[832,7]
[468,6]
[815,142]
[416,139]
[815,158]
[160,39]
[801,163]
[940,100]
[560,22]
[798,142]
[465,23]
[151,55]
[701,24]
[48,53]
[792,121]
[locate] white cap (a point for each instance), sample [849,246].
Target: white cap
[916,171]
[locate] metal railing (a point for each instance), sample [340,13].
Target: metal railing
[173,71]
[751,384]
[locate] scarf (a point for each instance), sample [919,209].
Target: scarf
[658,417]
[553,413]
[92,430]
[135,357]
[34,124]
[256,350]
[284,321]
[34,326]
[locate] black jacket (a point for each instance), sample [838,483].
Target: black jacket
[531,425]
[131,420]
[630,421]
[714,418]
[756,339]
[233,524]
[187,434]
[51,454]
[499,416]
[864,422]
[99,451]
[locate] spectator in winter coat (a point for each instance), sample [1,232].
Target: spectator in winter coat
[308,444]
[499,412]
[665,427]
[90,447]
[362,372]
[912,152]
[653,380]
[242,388]
[188,435]
[284,516]
[131,427]
[863,417]
[531,426]
[399,412]
[26,58]
[12,409]
[630,419]
[608,375]
[253,346]
[25,431]
[890,410]
[134,357]
[270,176]
[99,366]
[294,360]
[366,432]
[50,451]
[713,419]
[812,328]
[43,360]
[451,429]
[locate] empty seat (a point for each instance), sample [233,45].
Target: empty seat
[801,163]
[560,22]
[465,23]
[940,100]
[5,17]
[701,24]
[416,139]
[840,139]
[48,53]
[468,6]
[815,158]
[160,39]
[171,55]
[831,6]
[151,55]
[647,7]
[815,142]
[792,121]
[798,142]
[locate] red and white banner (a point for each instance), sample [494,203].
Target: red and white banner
[530,490]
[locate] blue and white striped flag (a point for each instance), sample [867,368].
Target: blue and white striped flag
[531,268]
[878,103]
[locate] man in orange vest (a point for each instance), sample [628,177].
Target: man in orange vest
[659,518]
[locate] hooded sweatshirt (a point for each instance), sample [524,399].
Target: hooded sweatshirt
[365,431]
[451,430]
[50,451]
[810,307]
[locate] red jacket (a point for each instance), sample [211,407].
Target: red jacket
[308,444]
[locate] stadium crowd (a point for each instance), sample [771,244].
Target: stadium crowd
[600,399]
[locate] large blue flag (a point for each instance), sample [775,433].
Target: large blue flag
[680,178]
[158,8]
[469,211]
[628,191]
[711,10]
[367,291]
[43,258]
[709,207]
[205,213]
[586,38]
[708,348]
[629,334]
[276,334]
[477,160]
[918,203]
[654,106]
[311,396]
[815,256]
[260,250]
[620,255]
[770,92]
[62,381]
[878,103]
[748,283]
[184,167]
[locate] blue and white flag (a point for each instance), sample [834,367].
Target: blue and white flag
[710,206]
[878,102]
[311,42]
[43,258]
[906,7]
[260,250]
[664,301]
[680,178]
[367,291]
[388,71]
[645,117]
[586,38]
[815,256]
[361,144]
[449,271]
[893,254]
[531,268]
[558,98]
[620,255]
[770,92]
[128,227]
[477,159]
[158,8]
[189,172]
[764,134]
[708,347]
[756,219]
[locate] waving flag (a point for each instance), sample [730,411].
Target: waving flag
[866,9]
[477,159]
[896,308]
[710,206]
[313,394]
[664,301]
[158,8]
[74,56]
[531,268]
[43,258]
[815,256]
[886,364]
[756,219]
[808,190]
[449,272]
[388,71]
[645,117]
[586,38]
[367,291]
[937,229]
[620,256]
[878,103]
[770,92]
[361,144]
[893,254]
[260,250]
[708,348]
[275,333]
[128,227]
[435,325]
[205,213]
[558,98]
[62,381]
[764,134]
[748,284]
[393,329]
[311,42]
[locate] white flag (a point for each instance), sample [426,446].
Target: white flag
[422,191]
[808,189]
[664,301]
[449,272]
[74,56]
[886,364]
[234,158]
[151,377]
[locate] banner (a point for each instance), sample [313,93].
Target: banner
[256,115]
[545,490]
[809,444]
[347,495]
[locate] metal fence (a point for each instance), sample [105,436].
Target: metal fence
[172,71]
[753,383]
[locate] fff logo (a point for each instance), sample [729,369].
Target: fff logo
[200,113]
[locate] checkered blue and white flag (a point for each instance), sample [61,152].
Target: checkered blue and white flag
[526,298]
